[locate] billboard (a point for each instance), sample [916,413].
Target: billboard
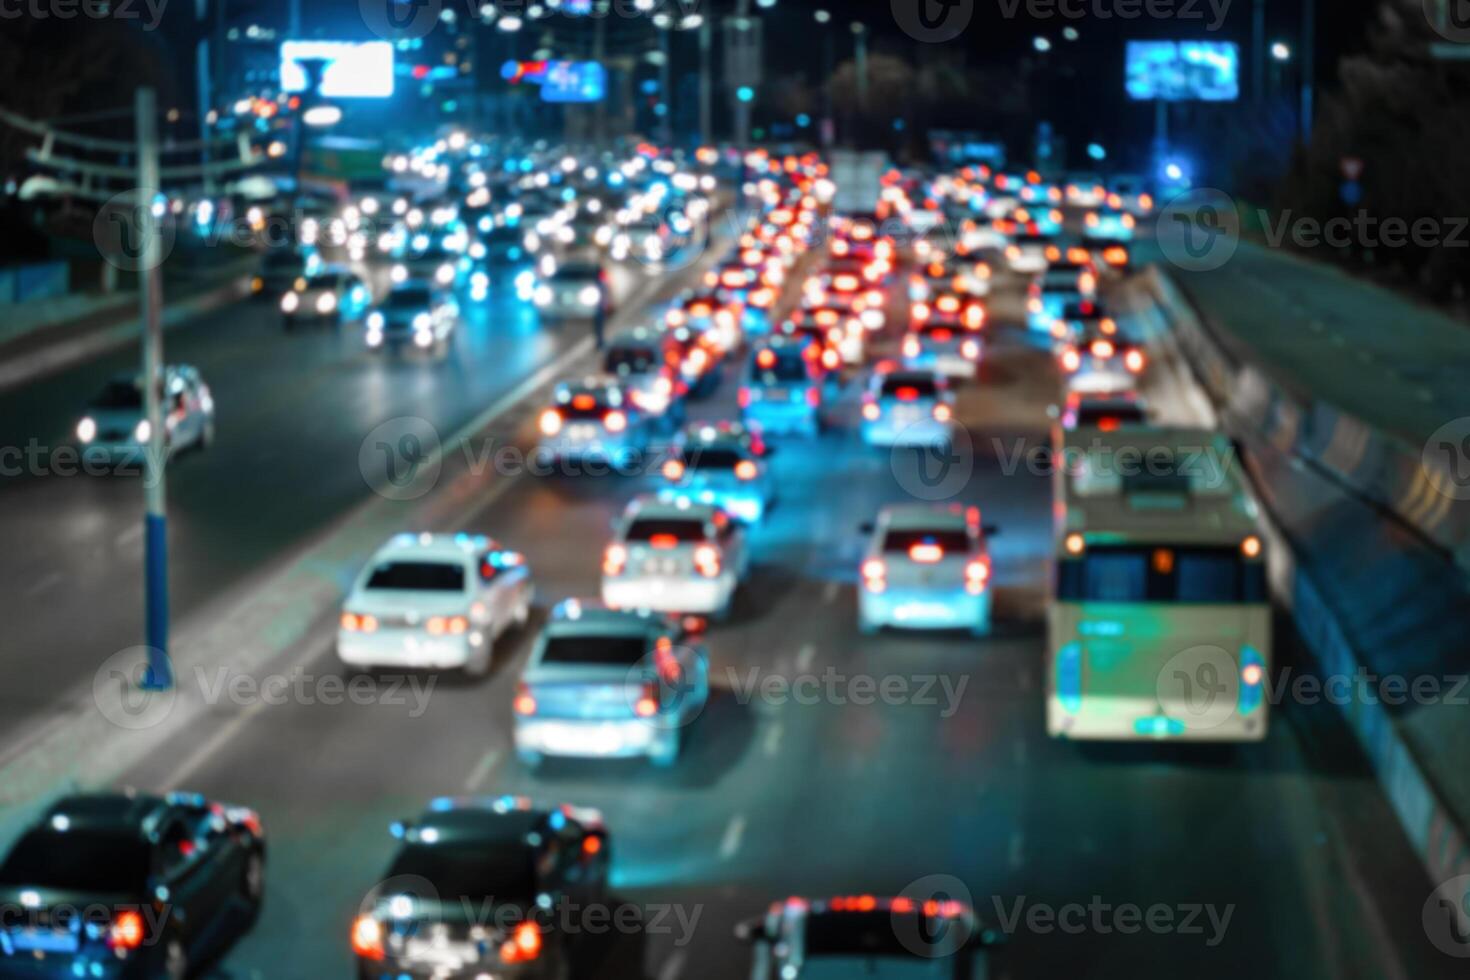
[1180,71]
[574,81]
[353,70]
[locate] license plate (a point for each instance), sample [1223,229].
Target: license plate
[44,941]
[777,395]
[582,432]
[905,414]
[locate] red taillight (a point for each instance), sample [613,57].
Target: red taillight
[615,421]
[1071,360]
[673,470]
[525,701]
[745,470]
[1133,360]
[584,403]
[524,944]
[814,397]
[367,938]
[614,560]
[127,930]
[591,844]
[977,573]
[875,573]
[920,311]
[925,554]
[743,397]
[359,622]
[663,542]
[647,704]
[550,422]
[446,625]
[871,411]
[970,350]
[942,412]
[906,393]
[707,560]
[941,335]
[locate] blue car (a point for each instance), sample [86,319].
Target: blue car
[723,464]
[782,389]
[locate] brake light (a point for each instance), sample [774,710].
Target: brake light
[524,944]
[831,360]
[745,470]
[743,397]
[875,297]
[525,701]
[591,844]
[707,560]
[663,542]
[1133,361]
[1251,674]
[673,470]
[941,335]
[906,393]
[450,625]
[977,574]
[766,359]
[975,317]
[647,704]
[875,573]
[1251,547]
[925,554]
[942,412]
[949,304]
[550,422]
[359,623]
[814,397]
[1086,282]
[920,311]
[615,421]
[970,349]
[614,559]
[367,938]
[871,411]
[127,930]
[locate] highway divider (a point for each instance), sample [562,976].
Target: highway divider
[1371,548]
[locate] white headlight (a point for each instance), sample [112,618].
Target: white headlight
[444,275]
[143,431]
[547,265]
[375,320]
[326,303]
[289,302]
[374,338]
[423,338]
[422,321]
[399,274]
[86,430]
[589,295]
[543,295]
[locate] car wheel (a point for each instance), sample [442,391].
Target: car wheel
[252,885]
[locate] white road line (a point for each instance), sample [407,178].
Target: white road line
[673,966]
[482,771]
[734,832]
[773,738]
[126,538]
[829,594]
[226,734]
[1017,853]
[42,584]
[805,656]
[1020,753]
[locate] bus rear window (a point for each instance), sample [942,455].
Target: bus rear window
[1158,574]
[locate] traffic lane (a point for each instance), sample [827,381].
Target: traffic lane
[294,413]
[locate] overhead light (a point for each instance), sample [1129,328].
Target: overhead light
[322,115]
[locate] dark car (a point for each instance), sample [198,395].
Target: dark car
[461,897]
[128,885]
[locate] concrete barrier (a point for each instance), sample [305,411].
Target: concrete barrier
[1411,610]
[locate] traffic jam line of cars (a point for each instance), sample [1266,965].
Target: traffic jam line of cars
[622,674]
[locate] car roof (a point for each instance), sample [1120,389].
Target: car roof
[707,435]
[109,812]
[584,616]
[924,517]
[650,506]
[446,548]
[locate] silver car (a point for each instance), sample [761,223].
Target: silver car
[115,429]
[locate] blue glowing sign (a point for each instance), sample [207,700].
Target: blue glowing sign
[1178,71]
[353,69]
[574,81]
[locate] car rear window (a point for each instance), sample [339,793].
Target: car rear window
[78,860]
[912,385]
[1110,415]
[681,530]
[631,360]
[418,576]
[456,871]
[615,651]
[950,540]
[787,368]
[711,459]
[403,299]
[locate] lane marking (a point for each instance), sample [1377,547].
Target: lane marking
[226,734]
[773,738]
[673,966]
[734,832]
[829,594]
[805,656]
[129,536]
[482,771]
[45,582]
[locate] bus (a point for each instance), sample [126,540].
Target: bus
[1159,621]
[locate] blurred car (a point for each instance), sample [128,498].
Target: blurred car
[841,335]
[1100,364]
[1086,190]
[781,390]
[1063,283]
[1130,193]
[848,292]
[332,293]
[115,428]
[446,268]
[609,683]
[413,313]
[1079,318]
[281,267]
[574,290]
[724,464]
[708,315]
[934,345]
[926,566]
[81,887]
[636,359]
[594,419]
[904,407]
[851,936]
[1108,223]
[434,601]
[1107,411]
[463,895]
[1026,254]
[694,355]
[674,557]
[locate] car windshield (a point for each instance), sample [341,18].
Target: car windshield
[631,360]
[614,650]
[680,530]
[417,576]
[404,299]
[78,860]
[577,273]
[1110,415]
[119,394]
[499,870]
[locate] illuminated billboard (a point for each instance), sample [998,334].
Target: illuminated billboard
[574,81]
[1182,71]
[352,70]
